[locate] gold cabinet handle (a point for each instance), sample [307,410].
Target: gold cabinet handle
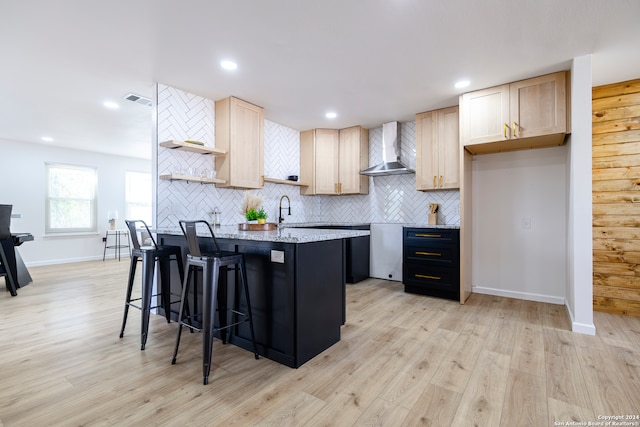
[335,188]
[340,188]
[504,130]
[440,181]
[428,235]
[435,184]
[428,253]
[262,181]
[424,276]
[515,129]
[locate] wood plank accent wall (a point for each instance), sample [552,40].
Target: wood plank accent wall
[616,198]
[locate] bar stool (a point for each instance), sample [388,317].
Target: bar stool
[211,265]
[149,254]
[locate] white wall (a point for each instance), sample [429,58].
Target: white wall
[509,191]
[579,235]
[23,178]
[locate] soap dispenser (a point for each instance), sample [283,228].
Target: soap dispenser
[215,217]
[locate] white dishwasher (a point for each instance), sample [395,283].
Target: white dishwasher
[386,252]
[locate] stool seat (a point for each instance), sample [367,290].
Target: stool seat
[149,255]
[212,265]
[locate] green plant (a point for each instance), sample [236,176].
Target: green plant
[253,214]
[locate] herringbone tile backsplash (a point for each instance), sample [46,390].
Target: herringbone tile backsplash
[183,115]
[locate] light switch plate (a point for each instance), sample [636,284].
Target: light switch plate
[277,256]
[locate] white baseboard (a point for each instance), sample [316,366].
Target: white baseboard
[518,295]
[123,256]
[581,328]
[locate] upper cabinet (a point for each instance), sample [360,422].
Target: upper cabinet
[531,113]
[331,161]
[437,150]
[354,157]
[240,132]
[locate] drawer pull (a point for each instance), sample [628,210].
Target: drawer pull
[424,276]
[428,235]
[428,253]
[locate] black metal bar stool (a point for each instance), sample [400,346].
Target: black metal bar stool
[211,265]
[149,254]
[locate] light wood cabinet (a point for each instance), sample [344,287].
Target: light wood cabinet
[240,132]
[438,150]
[531,113]
[354,157]
[331,161]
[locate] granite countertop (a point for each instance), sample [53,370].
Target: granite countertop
[322,224]
[282,234]
[355,224]
[452,226]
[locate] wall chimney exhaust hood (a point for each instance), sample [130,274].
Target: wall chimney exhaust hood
[390,153]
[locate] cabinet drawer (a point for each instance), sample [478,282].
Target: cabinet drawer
[429,274]
[434,281]
[420,236]
[446,254]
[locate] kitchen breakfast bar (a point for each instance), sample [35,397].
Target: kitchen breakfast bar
[296,280]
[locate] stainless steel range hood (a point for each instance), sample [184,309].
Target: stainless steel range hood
[390,153]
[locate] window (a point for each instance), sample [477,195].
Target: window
[138,196]
[70,199]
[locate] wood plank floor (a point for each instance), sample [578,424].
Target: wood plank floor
[403,360]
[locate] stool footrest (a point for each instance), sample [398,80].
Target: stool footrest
[130,303]
[199,329]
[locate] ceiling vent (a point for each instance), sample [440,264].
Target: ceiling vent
[138,99]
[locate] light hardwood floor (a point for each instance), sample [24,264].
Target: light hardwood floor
[403,360]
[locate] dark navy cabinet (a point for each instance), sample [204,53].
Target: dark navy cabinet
[297,295]
[431,262]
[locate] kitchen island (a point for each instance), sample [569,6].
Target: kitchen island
[296,280]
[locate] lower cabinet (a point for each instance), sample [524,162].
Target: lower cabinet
[431,262]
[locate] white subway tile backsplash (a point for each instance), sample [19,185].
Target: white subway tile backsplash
[182,115]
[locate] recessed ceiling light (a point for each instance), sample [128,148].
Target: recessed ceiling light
[331,115]
[111,105]
[47,139]
[462,83]
[228,65]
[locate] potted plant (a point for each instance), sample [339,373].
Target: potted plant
[262,216]
[251,207]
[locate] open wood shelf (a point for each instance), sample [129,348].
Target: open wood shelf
[285,182]
[194,148]
[174,177]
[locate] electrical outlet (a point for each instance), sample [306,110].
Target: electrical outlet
[526,222]
[104,239]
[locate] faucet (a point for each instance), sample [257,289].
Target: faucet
[280,218]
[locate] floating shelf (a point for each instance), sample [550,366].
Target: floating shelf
[174,177]
[285,182]
[194,148]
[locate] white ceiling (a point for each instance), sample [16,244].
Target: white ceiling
[371,61]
